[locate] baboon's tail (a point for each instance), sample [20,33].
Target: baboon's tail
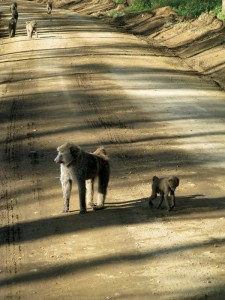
[101,152]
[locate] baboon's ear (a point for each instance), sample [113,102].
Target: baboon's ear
[75,151]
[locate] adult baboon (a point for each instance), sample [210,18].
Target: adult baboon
[164,186]
[12,27]
[49,7]
[31,27]
[83,167]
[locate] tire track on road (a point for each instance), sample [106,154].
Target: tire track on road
[18,158]
[94,107]
[11,158]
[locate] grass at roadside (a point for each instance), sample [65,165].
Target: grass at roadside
[185,8]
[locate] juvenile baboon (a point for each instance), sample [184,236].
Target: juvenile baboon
[31,27]
[15,14]
[83,167]
[164,186]
[12,27]
[13,6]
[49,8]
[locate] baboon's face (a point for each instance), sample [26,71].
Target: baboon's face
[173,183]
[67,153]
[59,158]
[63,157]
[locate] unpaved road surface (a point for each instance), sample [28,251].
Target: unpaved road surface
[82,81]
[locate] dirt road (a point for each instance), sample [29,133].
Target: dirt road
[82,81]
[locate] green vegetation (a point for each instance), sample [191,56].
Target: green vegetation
[217,11]
[189,8]
[185,8]
[119,1]
[141,4]
[138,6]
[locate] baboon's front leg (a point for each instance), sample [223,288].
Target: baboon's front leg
[66,187]
[89,192]
[161,199]
[173,200]
[167,202]
[82,195]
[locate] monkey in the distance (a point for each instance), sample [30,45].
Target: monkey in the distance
[165,187]
[82,167]
[31,27]
[49,7]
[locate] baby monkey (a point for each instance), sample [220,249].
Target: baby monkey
[165,187]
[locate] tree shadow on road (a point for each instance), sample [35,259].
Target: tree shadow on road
[115,260]
[127,212]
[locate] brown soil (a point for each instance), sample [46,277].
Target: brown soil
[85,81]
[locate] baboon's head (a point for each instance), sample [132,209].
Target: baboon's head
[67,153]
[173,182]
[155,179]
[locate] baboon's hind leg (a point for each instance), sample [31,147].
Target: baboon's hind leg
[102,189]
[152,197]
